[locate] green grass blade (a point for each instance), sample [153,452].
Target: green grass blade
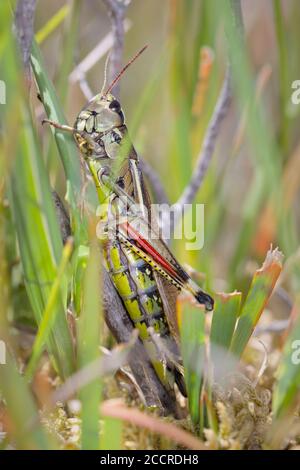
[193,353]
[261,288]
[66,146]
[79,263]
[224,318]
[39,239]
[49,315]
[111,438]
[52,24]
[88,349]
[284,85]
[65,142]
[288,377]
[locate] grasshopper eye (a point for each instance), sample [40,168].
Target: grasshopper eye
[115,106]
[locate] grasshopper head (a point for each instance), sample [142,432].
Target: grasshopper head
[100,126]
[101,115]
[100,135]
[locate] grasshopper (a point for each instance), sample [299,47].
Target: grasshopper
[142,268]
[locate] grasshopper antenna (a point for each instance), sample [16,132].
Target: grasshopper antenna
[105,74]
[123,70]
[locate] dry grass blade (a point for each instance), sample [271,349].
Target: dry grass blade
[116,409]
[99,368]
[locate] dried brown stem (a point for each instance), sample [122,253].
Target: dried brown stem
[93,57]
[116,10]
[24,18]
[209,144]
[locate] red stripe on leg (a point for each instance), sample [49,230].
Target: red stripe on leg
[148,248]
